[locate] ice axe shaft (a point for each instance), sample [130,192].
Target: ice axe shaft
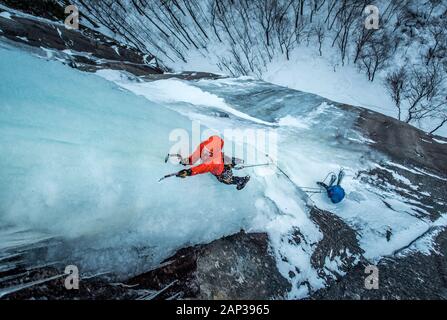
[252,166]
[167,176]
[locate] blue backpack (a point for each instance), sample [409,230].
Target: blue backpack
[336,193]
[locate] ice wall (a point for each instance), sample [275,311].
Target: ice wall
[315,137]
[81,158]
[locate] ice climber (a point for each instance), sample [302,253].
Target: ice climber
[213,161]
[335,192]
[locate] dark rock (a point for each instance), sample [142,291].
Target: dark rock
[235,267]
[48,283]
[414,155]
[91,50]
[339,241]
[48,9]
[405,144]
[405,274]
[185,75]
[413,276]
[428,193]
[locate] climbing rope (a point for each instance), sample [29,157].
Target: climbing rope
[315,190]
[310,190]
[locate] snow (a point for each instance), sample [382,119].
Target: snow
[422,171]
[425,243]
[224,49]
[173,90]
[199,62]
[6,15]
[399,177]
[116,50]
[403,167]
[307,71]
[334,266]
[292,122]
[306,155]
[22,38]
[440,141]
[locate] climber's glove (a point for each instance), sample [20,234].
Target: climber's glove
[236,161]
[184,173]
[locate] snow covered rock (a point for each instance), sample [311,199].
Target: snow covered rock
[339,251]
[85,49]
[415,276]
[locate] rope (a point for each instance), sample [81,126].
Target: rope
[314,190]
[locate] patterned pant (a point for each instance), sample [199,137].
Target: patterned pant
[227,177]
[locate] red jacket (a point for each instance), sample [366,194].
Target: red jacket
[210,152]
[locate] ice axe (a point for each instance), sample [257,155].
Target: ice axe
[168,176]
[172,155]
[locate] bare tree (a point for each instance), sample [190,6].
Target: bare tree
[266,10]
[423,93]
[375,55]
[433,5]
[349,11]
[443,122]
[438,49]
[286,36]
[319,32]
[315,8]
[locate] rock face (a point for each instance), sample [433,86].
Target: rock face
[405,144]
[414,155]
[339,242]
[414,276]
[48,283]
[48,9]
[235,267]
[84,49]
[405,274]
[88,50]
[241,266]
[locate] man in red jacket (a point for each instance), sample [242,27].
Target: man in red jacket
[214,162]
